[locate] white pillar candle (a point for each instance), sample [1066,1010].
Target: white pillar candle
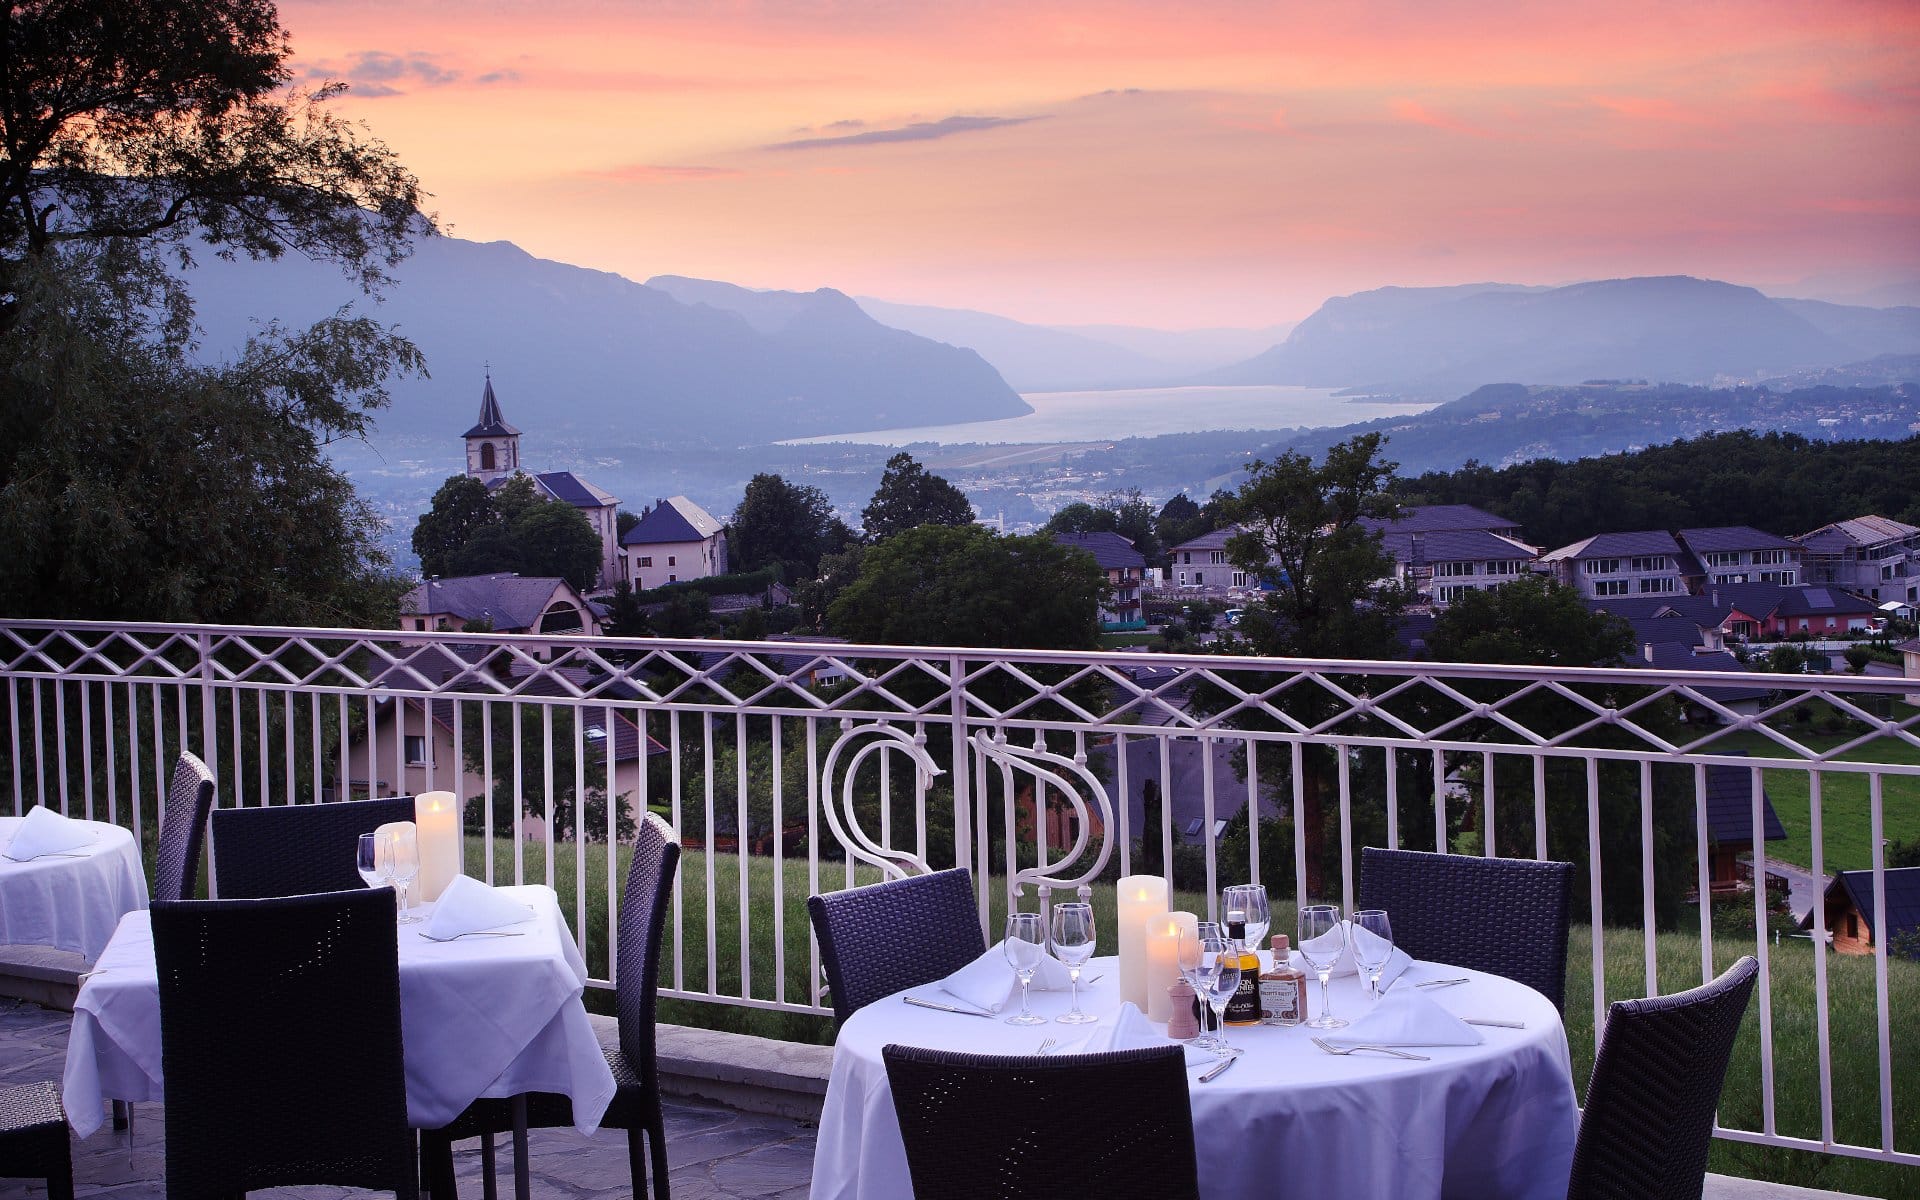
[436,817]
[1138,898]
[1163,959]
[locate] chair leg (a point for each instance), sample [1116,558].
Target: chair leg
[60,1179]
[656,1127]
[436,1165]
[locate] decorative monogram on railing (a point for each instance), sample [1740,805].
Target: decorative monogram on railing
[1056,779]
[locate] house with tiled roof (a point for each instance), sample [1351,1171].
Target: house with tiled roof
[675,540]
[493,457]
[1200,564]
[1853,919]
[502,602]
[1874,556]
[1735,554]
[1728,798]
[1124,567]
[1443,518]
[1642,563]
[1443,565]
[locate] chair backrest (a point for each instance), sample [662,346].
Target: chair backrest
[877,939]
[280,1043]
[643,911]
[296,849]
[1506,916]
[1648,1120]
[183,829]
[994,1127]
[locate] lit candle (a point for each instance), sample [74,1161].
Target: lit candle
[436,816]
[1163,959]
[1138,898]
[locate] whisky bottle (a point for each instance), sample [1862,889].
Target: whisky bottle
[1283,990]
[1243,1007]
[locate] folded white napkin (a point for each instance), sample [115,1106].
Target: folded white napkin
[469,906]
[1397,961]
[1404,1017]
[988,982]
[44,831]
[1129,1029]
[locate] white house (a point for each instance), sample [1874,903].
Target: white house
[1644,563]
[675,540]
[1873,556]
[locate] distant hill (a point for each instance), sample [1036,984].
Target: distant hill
[1434,341]
[590,351]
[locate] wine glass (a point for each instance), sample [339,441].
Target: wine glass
[1250,900]
[1223,978]
[1073,939]
[370,860]
[1025,942]
[1372,945]
[1322,938]
[403,858]
[1188,956]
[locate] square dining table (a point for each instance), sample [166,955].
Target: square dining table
[481,1016]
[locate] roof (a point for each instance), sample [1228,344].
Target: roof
[1667,629]
[675,519]
[491,423]
[508,600]
[1823,601]
[1911,646]
[565,485]
[1903,900]
[1213,539]
[1183,789]
[1435,518]
[1454,545]
[1674,656]
[440,664]
[1856,531]
[1734,537]
[1618,545]
[1110,550]
[1730,808]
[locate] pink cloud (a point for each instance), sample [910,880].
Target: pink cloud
[656,173]
[1420,114]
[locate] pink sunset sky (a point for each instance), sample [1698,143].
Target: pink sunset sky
[1171,164]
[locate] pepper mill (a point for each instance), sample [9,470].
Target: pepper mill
[1182,1025]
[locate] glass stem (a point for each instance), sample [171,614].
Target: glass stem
[1325,1003]
[1026,977]
[1073,974]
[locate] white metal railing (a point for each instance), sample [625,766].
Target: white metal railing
[1025,766]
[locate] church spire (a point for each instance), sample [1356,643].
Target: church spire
[491,423]
[493,446]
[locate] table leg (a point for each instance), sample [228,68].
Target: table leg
[522,1181]
[490,1187]
[122,1115]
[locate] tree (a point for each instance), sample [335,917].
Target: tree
[1125,513]
[910,496]
[1531,620]
[1179,521]
[555,538]
[1857,659]
[461,508]
[785,524]
[1081,517]
[625,616]
[965,585]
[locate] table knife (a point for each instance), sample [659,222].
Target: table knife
[1211,1073]
[917,1002]
[1495,1024]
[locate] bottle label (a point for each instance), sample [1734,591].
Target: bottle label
[1243,1007]
[1280,1001]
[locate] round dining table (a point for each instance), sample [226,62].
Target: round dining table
[72,900]
[1482,1122]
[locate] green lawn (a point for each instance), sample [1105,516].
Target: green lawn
[1855,1049]
[1846,822]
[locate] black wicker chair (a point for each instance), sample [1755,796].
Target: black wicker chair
[1648,1120]
[33,1137]
[627,1040]
[183,829]
[280,1041]
[878,939]
[1505,916]
[296,849]
[976,1126]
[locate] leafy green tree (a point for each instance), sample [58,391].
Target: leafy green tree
[785,524]
[625,616]
[1857,659]
[623,522]
[1081,517]
[964,585]
[817,595]
[1531,620]
[1125,513]
[460,509]
[910,496]
[557,539]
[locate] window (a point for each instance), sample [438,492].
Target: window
[1218,558]
[1504,566]
[1198,579]
[1853,925]
[1658,562]
[1781,577]
[1183,579]
[1724,558]
[1447,594]
[1769,557]
[1610,587]
[671,560]
[416,750]
[671,578]
[486,456]
[1890,571]
[1662,584]
[1239,579]
[1730,578]
[1186,557]
[1603,566]
[1448,570]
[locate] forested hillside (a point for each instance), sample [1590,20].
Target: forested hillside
[1780,482]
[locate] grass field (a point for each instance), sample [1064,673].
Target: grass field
[1845,817]
[687,965]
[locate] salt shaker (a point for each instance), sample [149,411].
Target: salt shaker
[1182,1024]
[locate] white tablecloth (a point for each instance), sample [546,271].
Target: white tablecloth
[481,1016]
[1476,1122]
[71,903]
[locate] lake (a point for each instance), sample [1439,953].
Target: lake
[1144,412]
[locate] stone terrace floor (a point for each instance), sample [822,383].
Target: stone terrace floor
[715,1153]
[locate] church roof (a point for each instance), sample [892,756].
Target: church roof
[675,519]
[565,485]
[491,423]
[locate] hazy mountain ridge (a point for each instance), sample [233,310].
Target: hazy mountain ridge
[591,350]
[1669,328]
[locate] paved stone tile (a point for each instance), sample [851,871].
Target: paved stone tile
[713,1153]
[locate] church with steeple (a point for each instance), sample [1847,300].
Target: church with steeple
[493,457]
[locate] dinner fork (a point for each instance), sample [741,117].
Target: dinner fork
[1330,1048]
[475,933]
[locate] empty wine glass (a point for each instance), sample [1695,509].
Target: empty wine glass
[1025,942]
[1223,978]
[403,858]
[370,860]
[1322,938]
[1192,964]
[1250,900]
[1073,939]
[1372,945]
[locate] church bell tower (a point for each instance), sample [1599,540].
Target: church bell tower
[493,446]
